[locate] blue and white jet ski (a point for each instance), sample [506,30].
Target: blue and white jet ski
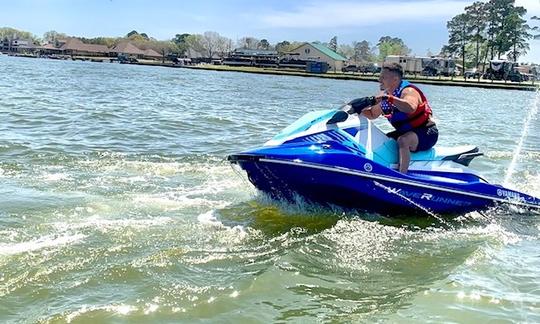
[350,162]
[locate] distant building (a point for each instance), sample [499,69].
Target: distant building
[74,46]
[17,45]
[320,53]
[150,53]
[200,57]
[430,66]
[252,57]
[127,49]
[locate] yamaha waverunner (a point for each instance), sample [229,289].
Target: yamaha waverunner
[332,158]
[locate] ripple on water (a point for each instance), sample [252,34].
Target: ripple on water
[116,203]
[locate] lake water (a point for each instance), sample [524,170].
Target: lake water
[117,205]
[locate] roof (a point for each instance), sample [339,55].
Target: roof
[127,48]
[255,52]
[49,46]
[328,52]
[150,52]
[76,44]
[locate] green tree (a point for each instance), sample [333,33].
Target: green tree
[194,42]
[283,46]
[333,45]
[286,46]
[263,44]
[181,45]
[391,46]
[12,33]
[476,14]
[517,34]
[107,41]
[458,28]
[132,33]
[363,52]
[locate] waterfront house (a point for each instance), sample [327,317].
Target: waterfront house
[74,46]
[126,49]
[318,52]
[17,45]
[151,54]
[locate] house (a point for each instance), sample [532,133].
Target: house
[320,53]
[126,49]
[74,46]
[17,45]
[151,54]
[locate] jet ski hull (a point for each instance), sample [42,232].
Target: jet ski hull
[354,164]
[372,189]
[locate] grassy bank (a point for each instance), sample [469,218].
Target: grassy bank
[445,81]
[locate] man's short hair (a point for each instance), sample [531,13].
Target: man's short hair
[394,67]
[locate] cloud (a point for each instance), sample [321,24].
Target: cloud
[349,14]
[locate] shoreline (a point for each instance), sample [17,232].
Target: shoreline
[374,78]
[350,76]
[441,81]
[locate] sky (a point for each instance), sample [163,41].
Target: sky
[420,23]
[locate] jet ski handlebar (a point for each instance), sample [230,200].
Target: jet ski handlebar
[356,107]
[359,104]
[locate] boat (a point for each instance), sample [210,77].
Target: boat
[329,157]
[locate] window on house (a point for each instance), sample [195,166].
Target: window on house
[307,51]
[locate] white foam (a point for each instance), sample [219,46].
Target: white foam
[40,243]
[105,224]
[121,309]
[55,176]
[164,201]
[209,218]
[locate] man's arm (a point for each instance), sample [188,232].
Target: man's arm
[373,112]
[409,101]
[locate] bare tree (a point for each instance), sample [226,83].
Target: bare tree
[248,42]
[209,44]
[52,36]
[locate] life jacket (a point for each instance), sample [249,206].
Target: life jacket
[404,122]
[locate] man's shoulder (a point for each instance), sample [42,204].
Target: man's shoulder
[410,91]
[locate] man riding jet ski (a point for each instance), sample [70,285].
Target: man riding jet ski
[406,108]
[340,158]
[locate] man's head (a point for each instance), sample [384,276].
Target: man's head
[391,75]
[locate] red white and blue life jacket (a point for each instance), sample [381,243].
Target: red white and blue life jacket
[404,122]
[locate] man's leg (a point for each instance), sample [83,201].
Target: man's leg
[407,142]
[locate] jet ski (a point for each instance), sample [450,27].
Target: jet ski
[330,157]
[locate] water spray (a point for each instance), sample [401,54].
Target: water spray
[532,112]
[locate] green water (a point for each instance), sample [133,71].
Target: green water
[116,205]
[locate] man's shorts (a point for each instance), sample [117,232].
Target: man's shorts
[427,136]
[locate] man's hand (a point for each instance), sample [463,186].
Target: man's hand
[357,105]
[348,108]
[381,97]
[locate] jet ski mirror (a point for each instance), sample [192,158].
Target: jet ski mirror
[338,117]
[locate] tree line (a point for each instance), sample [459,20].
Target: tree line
[212,44]
[489,30]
